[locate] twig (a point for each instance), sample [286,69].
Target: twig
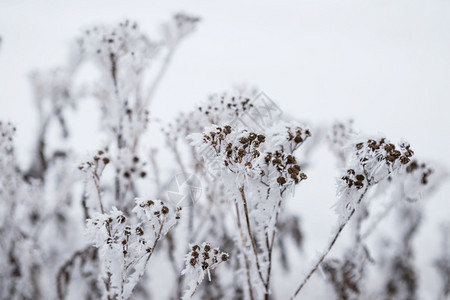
[329,247]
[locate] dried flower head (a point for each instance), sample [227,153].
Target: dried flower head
[96,165]
[200,260]
[379,157]
[225,147]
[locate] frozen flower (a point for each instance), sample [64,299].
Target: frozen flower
[287,136]
[282,168]
[379,157]
[234,150]
[200,260]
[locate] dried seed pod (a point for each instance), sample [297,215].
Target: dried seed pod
[281,180]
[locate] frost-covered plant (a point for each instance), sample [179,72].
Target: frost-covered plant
[41,210]
[200,260]
[261,165]
[125,248]
[90,233]
[370,162]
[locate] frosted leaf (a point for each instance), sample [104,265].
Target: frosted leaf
[379,157]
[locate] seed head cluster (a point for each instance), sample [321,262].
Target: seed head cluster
[384,151]
[133,167]
[239,150]
[354,180]
[286,166]
[97,164]
[206,257]
[163,210]
[423,170]
[148,209]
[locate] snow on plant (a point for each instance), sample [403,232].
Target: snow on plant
[90,234]
[125,249]
[262,166]
[371,161]
[200,260]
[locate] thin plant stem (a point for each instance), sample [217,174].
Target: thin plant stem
[159,77]
[247,265]
[250,233]
[329,247]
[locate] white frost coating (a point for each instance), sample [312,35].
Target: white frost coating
[124,248]
[371,160]
[257,168]
[200,260]
[287,136]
